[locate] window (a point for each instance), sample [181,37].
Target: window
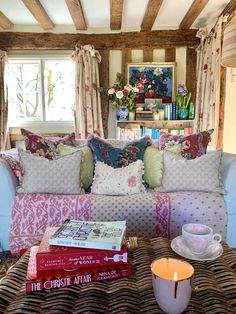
[40,90]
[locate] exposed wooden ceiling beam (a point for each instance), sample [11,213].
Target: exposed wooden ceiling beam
[39,13]
[230,8]
[116,9]
[77,14]
[193,12]
[5,23]
[133,40]
[152,10]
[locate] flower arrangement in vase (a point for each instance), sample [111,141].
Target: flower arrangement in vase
[183,98]
[122,96]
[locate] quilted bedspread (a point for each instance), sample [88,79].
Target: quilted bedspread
[147,214]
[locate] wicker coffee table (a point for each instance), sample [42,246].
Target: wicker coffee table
[214,287]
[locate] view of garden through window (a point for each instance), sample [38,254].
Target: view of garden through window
[40,90]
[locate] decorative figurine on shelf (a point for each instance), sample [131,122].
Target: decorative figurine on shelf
[122,97]
[183,98]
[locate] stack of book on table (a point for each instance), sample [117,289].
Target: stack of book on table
[78,252]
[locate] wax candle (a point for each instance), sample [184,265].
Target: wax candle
[171,284]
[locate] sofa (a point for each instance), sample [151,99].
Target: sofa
[24,216]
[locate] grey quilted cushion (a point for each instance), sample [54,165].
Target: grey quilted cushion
[200,174]
[58,176]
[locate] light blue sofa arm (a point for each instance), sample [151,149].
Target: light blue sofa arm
[228,175]
[8,184]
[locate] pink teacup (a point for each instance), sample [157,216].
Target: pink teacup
[199,238]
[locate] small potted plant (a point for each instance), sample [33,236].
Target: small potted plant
[122,97]
[183,98]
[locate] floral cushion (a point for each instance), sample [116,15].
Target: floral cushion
[118,181]
[42,146]
[193,145]
[11,156]
[118,157]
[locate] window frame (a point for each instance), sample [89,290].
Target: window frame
[43,56]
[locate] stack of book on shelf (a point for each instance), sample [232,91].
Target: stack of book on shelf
[78,252]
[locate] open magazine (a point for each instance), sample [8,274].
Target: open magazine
[104,235]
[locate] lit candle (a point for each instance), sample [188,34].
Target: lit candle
[172,275]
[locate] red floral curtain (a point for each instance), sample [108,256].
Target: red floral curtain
[88,116]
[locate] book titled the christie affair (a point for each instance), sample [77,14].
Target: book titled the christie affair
[104,235]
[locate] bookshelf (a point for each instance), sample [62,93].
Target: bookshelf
[130,130]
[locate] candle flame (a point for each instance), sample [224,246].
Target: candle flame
[175,278]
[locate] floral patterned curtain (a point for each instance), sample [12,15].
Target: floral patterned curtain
[4,135]
[88,116]
[208,80]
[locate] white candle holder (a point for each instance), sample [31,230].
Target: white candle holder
[171,280]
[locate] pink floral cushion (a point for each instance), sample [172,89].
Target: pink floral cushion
[42,146]
[11,156]
[194,145]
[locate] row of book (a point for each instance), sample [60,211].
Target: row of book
[54,266]
[136,133]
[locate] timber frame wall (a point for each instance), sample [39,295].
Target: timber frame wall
[144,40]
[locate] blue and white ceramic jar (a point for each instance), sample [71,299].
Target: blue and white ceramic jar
[122,113]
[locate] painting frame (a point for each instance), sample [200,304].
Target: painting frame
[154,80]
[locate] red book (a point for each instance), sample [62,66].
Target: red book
[57,278]
[57,257]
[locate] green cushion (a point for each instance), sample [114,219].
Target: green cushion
[87,163]
[153,166]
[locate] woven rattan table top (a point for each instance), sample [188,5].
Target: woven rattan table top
[214,287]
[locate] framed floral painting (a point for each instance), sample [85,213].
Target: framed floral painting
[154,80]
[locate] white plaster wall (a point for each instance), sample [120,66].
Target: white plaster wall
[229,141]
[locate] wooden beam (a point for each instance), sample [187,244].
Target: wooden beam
[116,9]
[104,83]
[152,10]
[191,75]
[170,55]
[193,12]
[5,23]
[39,13]
[133,40]
[148,55]
[219,140]
[229,8]
[77,14]
[126,58]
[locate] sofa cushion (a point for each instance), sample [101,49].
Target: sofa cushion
[193,145]
[58,176]
[118,181]
[11,156]
[153,166]
[46,147]
[87,163]
[118,157]
[199,174]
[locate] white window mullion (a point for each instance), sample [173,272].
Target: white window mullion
[42,94]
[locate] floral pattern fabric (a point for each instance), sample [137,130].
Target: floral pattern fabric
[38,144]
[207,108]
[148,214]
[88,113]
[115,156]
[192,146]
[11,156]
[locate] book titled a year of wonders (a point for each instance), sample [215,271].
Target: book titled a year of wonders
[104,235]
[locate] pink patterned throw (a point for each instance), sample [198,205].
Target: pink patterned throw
[163,214]
[32,213]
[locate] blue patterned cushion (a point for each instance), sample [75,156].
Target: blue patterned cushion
[118,157]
